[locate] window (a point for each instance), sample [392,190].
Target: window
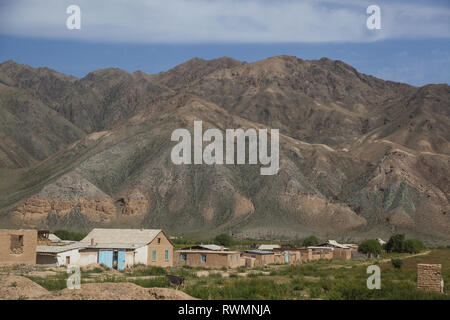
[166,255]
[154,255]
[67,260]
[16,244]
[203,258]
[231,259]
[183,257]
[159,240]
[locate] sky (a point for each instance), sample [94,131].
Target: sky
[412,44]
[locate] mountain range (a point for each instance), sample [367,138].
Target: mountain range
[360,157]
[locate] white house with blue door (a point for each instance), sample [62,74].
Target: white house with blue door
[121,248]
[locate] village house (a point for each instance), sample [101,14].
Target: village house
[340,251]
[286,254]
[320,253]
[208,256]
[122,248]
[59,256]
[115,248]
[261,258]
[18,246]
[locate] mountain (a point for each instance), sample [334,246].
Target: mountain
[359,156]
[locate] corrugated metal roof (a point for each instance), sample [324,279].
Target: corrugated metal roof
[335,244]
[207,251]
[54,238]
[259,252]
[326,248]
[58,249]
[269,246]
[212,247]
[109,238]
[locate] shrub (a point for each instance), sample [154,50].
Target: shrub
[397,263]
[223,240]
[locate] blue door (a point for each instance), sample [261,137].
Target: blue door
[121,260]
[106,257]
[286,257]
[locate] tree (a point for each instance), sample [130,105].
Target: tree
[396,243]
[69,235]
[223,240]
[413,246]
[370,246]
[310,241]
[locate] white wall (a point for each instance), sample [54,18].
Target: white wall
[73,254]
[141,255]
[88,258]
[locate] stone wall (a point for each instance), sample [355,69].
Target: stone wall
[429,277]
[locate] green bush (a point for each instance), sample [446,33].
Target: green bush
[223,240]
[397,263]
[370,246]
[413,246]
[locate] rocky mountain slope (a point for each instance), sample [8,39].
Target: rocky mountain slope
[359,156]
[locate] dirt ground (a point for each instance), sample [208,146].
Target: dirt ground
[16,287]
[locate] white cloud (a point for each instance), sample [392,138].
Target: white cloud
[189,21]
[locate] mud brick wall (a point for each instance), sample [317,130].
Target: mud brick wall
[15,251]
[429,277]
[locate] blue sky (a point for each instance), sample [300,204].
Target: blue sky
[413,45]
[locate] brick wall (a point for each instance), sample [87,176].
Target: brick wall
[13,251]
[429,277]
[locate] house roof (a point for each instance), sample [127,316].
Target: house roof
[207,251]
[52,237]
[335,244]
[269,246]
[212,247]
[58,249]
[259,252]
[120,238]
[318,248]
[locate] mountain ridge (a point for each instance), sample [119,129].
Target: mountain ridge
[358,155]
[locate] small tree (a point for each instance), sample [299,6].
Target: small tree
[223,240]
[370,246]
[310,241]
[396,243]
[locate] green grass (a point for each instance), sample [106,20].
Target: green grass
[159,282]
[139,271]
[52,283]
